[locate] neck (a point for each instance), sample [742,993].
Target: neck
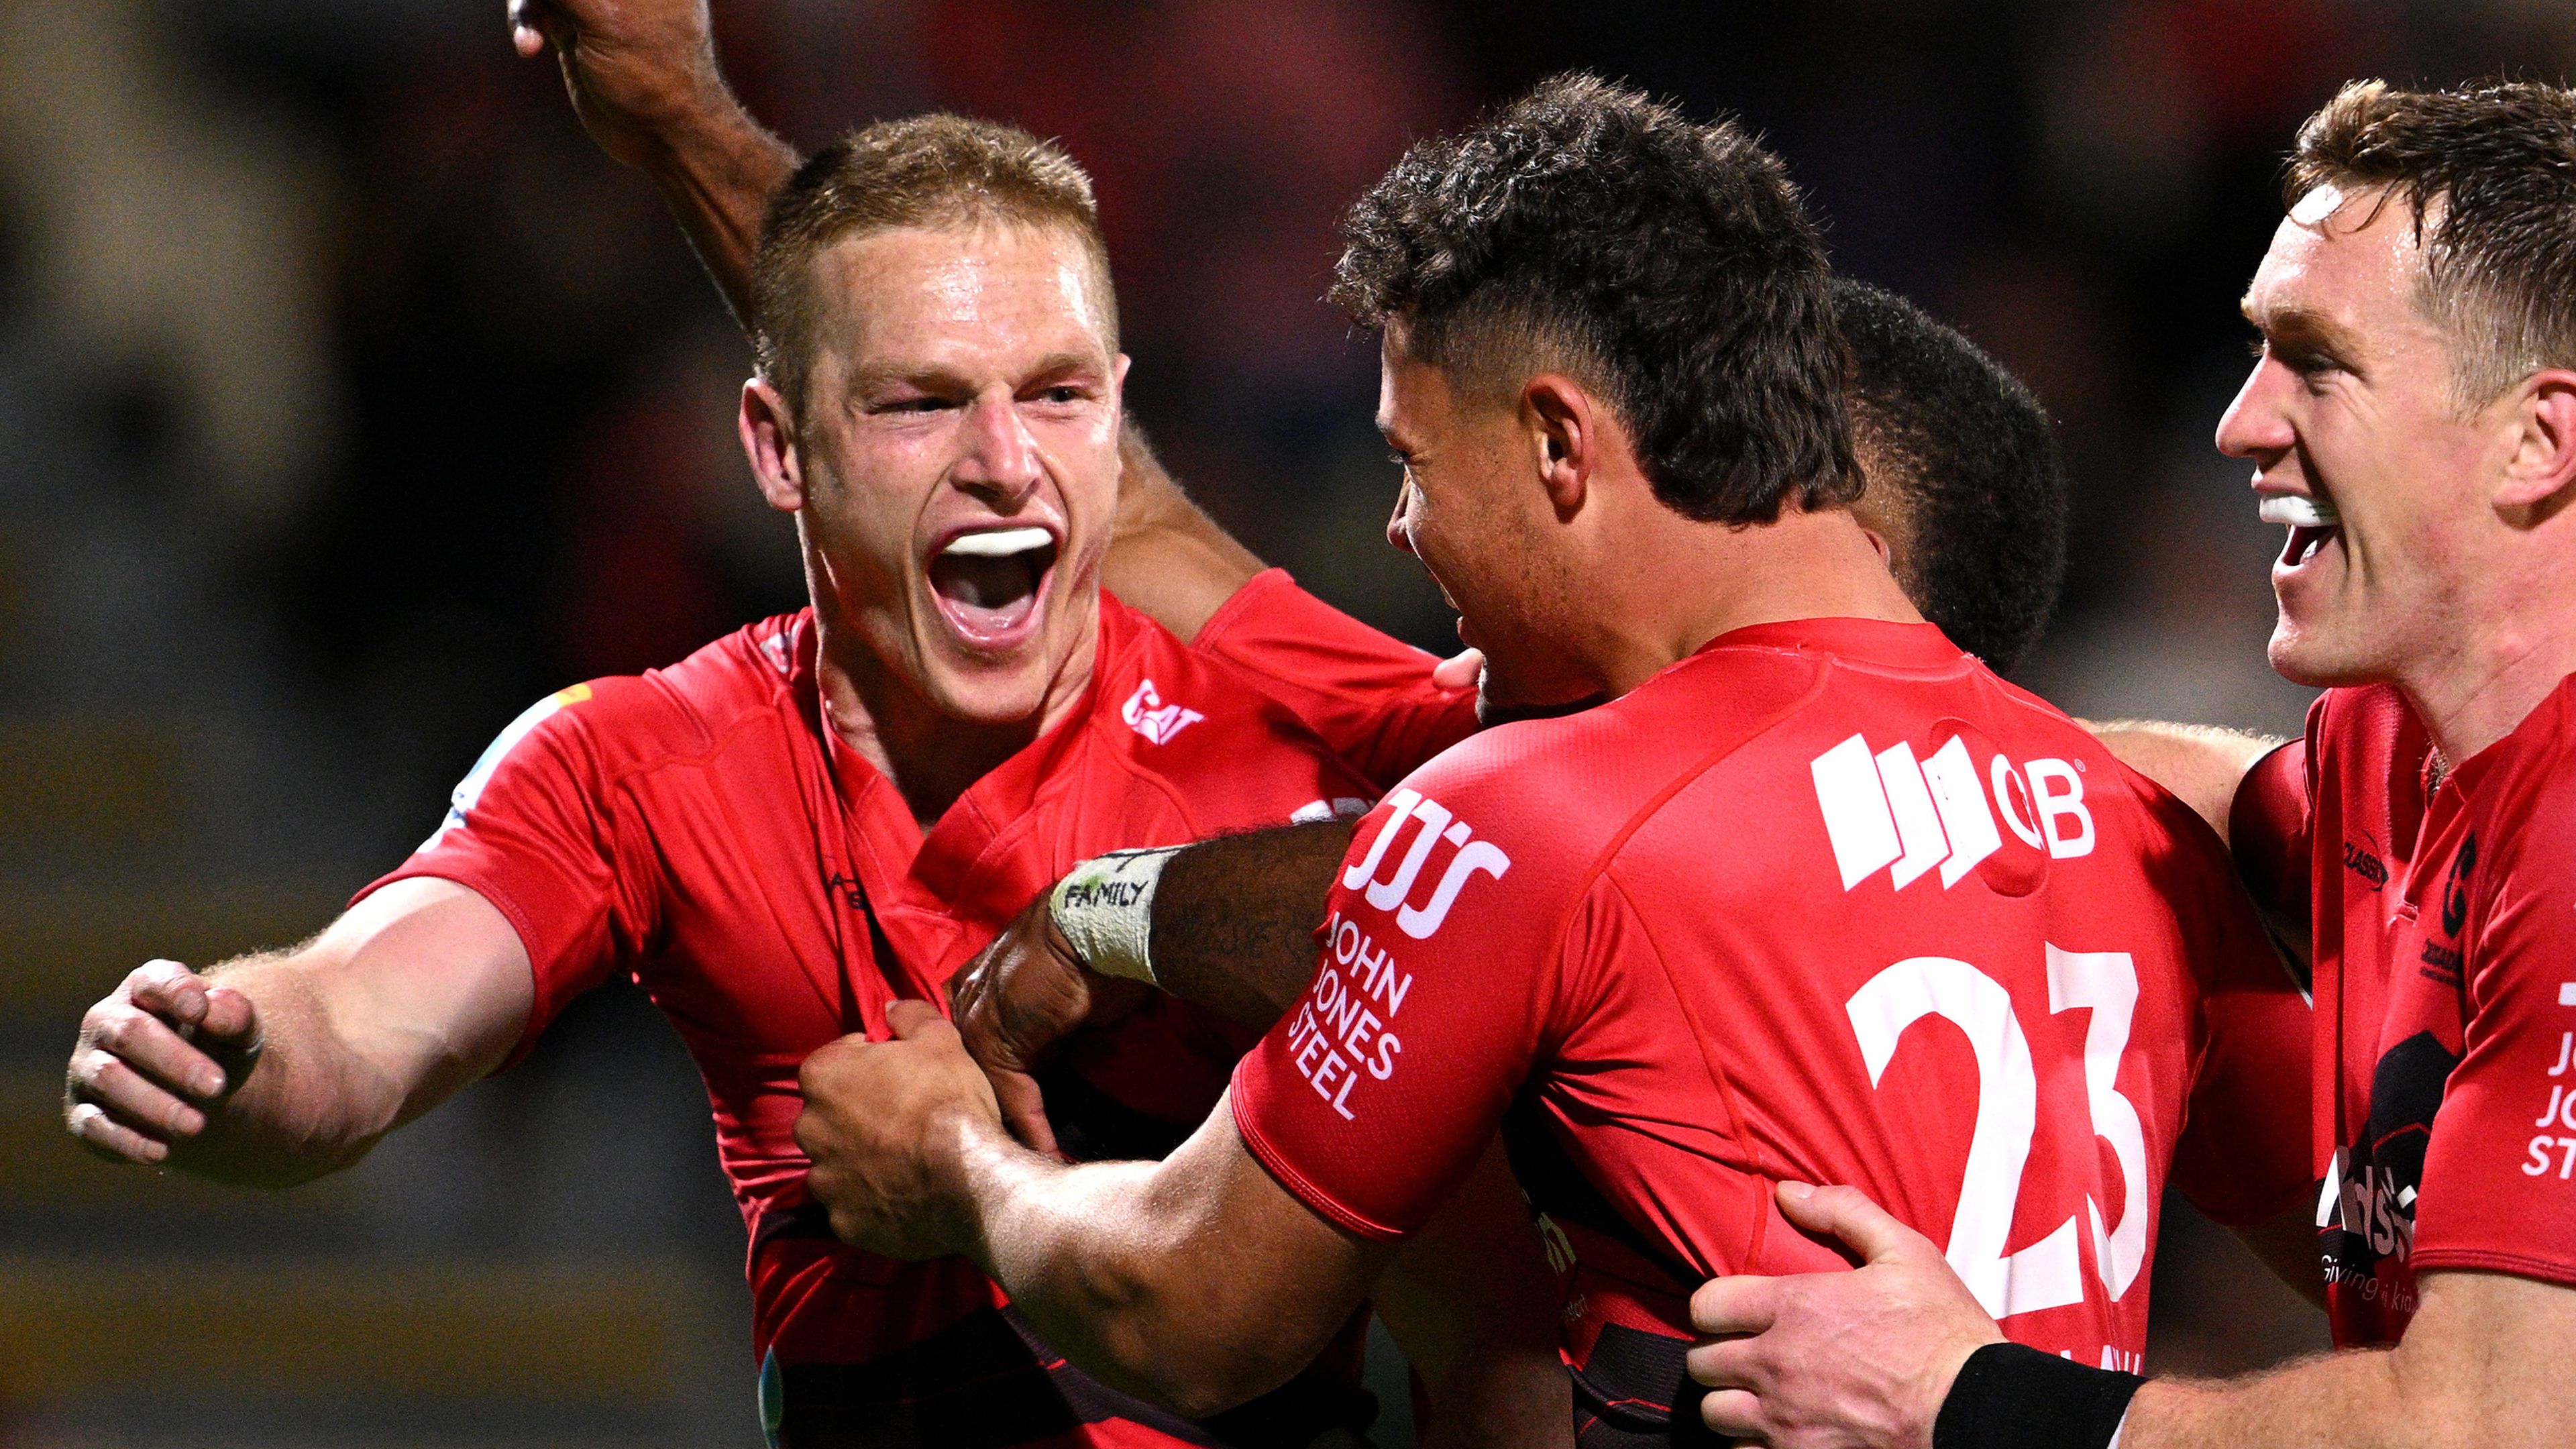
[2500,642]
[2475,697]
[929,755]
[1802,566]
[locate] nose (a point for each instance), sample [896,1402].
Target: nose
[997,457]
[2256,425]
[1397,535]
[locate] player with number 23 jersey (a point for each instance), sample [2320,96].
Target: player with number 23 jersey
[1826,901]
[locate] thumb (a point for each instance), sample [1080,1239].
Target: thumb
[915,1020]
[1848,1214]
[1023,1108]
[229,1014]
[1460,670]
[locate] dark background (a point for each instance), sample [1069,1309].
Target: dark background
[349,401]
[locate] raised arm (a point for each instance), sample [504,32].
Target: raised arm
[278,1068]
[642,75]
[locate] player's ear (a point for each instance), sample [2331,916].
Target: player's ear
[2540,476]
[768,427]
[1562,429]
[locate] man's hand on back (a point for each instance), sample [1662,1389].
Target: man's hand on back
[153,1058]
[1838,1360]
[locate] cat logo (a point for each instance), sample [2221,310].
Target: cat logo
[1147,715]
[1474,856]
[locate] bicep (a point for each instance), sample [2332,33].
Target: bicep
[1204,1282]
[424,980]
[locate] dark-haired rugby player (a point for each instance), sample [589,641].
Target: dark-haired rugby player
[2412,420]
[1813,896]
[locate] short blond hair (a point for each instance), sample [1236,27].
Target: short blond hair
[922,171]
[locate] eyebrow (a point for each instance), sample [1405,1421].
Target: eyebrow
[1055,364]
[2294,326]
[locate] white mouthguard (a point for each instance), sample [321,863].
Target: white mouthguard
[999,542]
[2298,511]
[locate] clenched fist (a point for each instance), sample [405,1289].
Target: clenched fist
[154,1058]
[635,68]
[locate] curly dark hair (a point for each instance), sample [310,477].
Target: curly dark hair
[2490,172]
[1665,263]
[1956,445]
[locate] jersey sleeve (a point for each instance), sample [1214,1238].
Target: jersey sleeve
[2245,1153]
[2269,832]
[1368,695]
[1434,995]
[2499,1186]
[531,829]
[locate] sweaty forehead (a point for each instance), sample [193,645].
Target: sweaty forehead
[2339,262]
[923,293]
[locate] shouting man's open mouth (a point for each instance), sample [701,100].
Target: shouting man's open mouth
[991,583]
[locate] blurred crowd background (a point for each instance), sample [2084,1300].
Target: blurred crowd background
[350,401]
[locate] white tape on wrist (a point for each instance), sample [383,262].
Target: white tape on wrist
[1104,907]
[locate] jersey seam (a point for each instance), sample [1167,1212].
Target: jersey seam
[1304,1188]
[1716,1075]
[2519,1264]
[1654,804]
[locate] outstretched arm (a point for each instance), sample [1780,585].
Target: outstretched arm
[1898,1354]
[279,1068]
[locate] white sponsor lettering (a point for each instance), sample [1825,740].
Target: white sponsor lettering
[1147,715]
[2057,789]
[1887,811]
[1340,1029]
[2048,1273]
[2539,1162]
[1474,857]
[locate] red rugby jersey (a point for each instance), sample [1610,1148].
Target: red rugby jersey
[700,829]
[1826,901]
[2444,921]
[1368,695]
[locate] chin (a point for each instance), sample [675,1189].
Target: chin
[2313,658]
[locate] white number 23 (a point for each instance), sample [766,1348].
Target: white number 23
[2046,1274]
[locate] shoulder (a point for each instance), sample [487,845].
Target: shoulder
[2523,791]
[1176,713]
[618,724]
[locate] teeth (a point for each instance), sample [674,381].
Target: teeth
[2298,511]
[998,542]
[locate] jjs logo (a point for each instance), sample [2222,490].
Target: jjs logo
[1437,824]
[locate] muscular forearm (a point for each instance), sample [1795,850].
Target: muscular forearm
[2482,1364]
[1234,919]
[1134,1271]
[312,1104]
[717,169]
